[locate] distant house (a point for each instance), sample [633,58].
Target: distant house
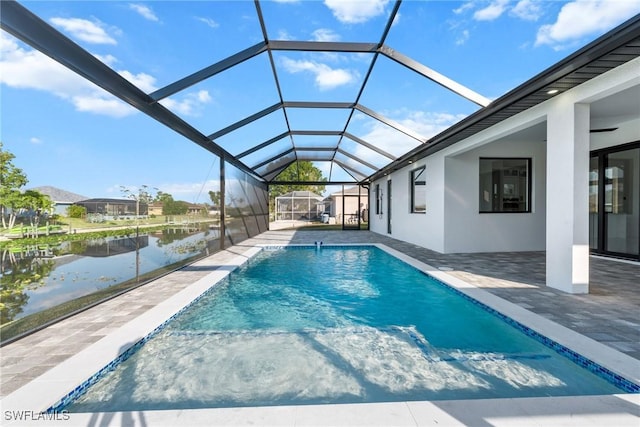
[62,199]
[114,208]
[155,208]
[193,209]
[299,206]
[346,205]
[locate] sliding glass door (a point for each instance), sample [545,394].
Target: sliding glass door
[614,201]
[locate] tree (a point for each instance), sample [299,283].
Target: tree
[141,195]
[173,207]
[297,171]
[12,179]
[76,211]
[37,206]
[215,198]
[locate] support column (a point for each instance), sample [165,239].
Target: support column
[567,230]
[223,196]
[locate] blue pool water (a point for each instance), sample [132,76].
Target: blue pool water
[334,325]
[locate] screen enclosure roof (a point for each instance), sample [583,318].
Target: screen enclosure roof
[288,87]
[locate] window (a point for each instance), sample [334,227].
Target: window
[505,185]
[418,191]
[378,200]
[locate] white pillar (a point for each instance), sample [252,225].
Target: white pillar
[567,234]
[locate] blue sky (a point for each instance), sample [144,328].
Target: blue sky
[67,133]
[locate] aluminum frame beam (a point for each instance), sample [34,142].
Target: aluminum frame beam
[209,71]
[350,170]
[369,146]
[276,157]
[318,104]
[275,172]
[391,123]
[263,145]
[352,157]
[312,182]
[321,46]
[245,121]
[316,132]
[434,76]
[315,149]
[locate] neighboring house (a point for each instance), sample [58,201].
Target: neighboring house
[192,209]
[349,204]
[155,208]
[299,206]
[62,199]
[114,208]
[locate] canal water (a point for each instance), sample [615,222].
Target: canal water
[38,277]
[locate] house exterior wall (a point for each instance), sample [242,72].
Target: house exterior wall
[351,207]
[467,230]
[558,221]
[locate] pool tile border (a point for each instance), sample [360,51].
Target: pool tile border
[593,367]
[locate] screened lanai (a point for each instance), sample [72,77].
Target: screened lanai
[357,88]
[299,206]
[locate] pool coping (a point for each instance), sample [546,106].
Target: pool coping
[50,387]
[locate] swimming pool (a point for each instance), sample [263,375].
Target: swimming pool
[335,325]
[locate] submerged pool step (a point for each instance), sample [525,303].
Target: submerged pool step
[429,352]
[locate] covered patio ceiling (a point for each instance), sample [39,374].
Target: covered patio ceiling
[279,126]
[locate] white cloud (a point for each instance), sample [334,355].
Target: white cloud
[528,10]
[584,17]
[35,140]
[82,29]
[356,11]
[425,124]
[142,80]
[462,39]
[30,69]
[109,60]
[491,12]
[325,35]
[466,6]
[429,124]
[284,35]
[101,104]
[325,77]
[144,11]
[189,105]
[210,22]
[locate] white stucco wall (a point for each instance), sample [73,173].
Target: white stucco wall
[423,229]
[452,187]
[467,230]
[452,222]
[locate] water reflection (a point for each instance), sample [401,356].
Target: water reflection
[37,277]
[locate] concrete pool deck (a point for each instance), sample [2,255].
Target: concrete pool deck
[608,317]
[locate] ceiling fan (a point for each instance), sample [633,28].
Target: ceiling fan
[600,130]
